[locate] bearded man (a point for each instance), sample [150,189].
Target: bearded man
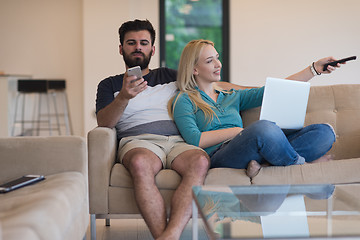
[148,138]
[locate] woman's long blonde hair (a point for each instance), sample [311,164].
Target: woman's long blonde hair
[186,80]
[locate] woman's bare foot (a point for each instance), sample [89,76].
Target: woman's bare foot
[325,158]
[253,169]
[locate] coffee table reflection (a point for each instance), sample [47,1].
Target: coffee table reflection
[278,211]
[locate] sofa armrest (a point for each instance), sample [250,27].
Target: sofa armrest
[102,146]
[42,155]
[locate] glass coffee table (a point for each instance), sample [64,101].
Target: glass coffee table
[278,211]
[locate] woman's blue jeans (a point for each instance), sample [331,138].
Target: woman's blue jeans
[264,141]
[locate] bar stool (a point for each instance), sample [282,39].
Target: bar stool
[42,88]
[58,87]
[37,88]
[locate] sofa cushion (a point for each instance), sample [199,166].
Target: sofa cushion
[227,176]
[170,180]
[120,176]
[121,189]
[48,210]
[333,172]
[21,232]
[339,106]
[41,155]
[165,179]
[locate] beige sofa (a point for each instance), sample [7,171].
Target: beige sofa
[56,208]
[111,187]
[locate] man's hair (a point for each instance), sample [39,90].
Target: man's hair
[136,25]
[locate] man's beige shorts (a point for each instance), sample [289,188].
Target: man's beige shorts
[167,148]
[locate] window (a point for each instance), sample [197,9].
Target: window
[184,20]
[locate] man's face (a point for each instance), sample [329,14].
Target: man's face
[137,49]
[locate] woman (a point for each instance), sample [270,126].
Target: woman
[210,118]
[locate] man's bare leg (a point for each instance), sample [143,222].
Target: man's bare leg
[143,165]
[192,165]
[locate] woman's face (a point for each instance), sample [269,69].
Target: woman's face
[208,67]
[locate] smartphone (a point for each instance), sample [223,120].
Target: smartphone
[20,182]
[338,61]
[135,71]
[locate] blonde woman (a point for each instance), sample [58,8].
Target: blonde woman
[210,118]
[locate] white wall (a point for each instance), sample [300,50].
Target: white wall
[102,20]
[78,40]
[43,38]
[280,37]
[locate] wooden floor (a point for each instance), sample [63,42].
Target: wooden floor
[135,229]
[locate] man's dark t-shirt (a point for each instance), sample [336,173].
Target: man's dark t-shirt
[147,112]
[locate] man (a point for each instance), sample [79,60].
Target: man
[138,110]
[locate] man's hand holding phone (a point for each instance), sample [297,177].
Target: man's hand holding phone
[133,83]
[135,71]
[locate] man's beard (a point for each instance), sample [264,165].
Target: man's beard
[142,62]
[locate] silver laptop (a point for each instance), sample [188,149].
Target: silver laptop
[285,102]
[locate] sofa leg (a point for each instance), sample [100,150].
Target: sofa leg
[107,222]
[93,227]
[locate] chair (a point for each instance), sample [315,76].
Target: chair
[40,88]
[59,87]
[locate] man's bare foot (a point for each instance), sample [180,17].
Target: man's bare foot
[253,169]
[325,158]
